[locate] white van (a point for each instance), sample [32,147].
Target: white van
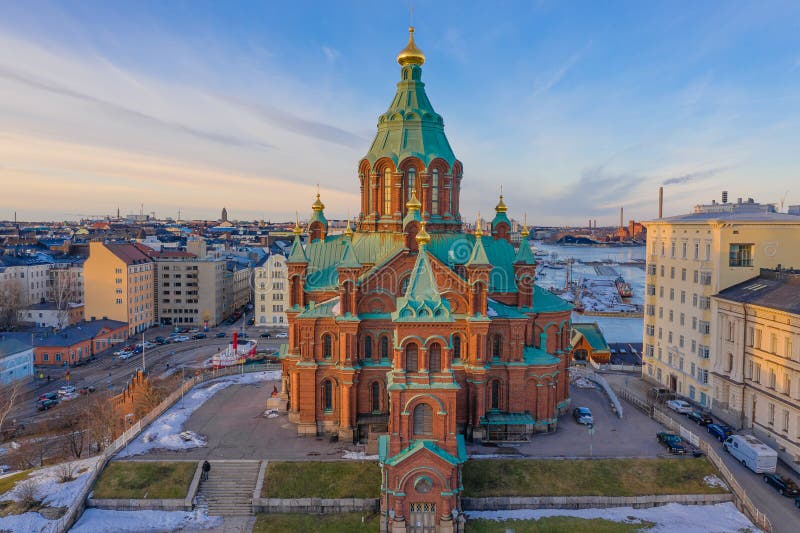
[752,453]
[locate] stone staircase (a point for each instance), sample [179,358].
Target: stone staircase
[229,488]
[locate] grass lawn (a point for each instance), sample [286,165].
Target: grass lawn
[134,479]
[333,523]
[350,479]
[606,477]
[7,483]
[555,524]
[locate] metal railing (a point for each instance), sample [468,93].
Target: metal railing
[68,520]
[741,499]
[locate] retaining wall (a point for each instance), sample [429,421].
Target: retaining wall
[316,505]
[586,502]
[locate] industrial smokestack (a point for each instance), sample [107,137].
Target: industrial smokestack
[724,197]
[620,217]
[660,202]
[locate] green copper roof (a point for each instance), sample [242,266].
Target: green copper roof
[500,217]
[524,253]
[478,255]
[297,254]
[325,256]
[320,310]
[496,309]
[319,216]
[537,356]
[410,127]
[591,332]
[422,301]
[545,301]
[348,259]
[507,419]
[416,446]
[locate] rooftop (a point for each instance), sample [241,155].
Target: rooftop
[775,289]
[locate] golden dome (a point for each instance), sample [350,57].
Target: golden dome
[297,229]
[478,229]
[501,206]
[423,237]
[411,55]
[348,231]
[318,205]
[413,203]
[525,231]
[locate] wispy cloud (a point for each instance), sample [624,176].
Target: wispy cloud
[550,80]
[331,54]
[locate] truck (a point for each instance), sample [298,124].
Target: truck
[752,453]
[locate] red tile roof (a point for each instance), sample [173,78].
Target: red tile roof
[130,253]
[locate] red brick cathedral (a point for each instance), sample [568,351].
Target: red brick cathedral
[411,335]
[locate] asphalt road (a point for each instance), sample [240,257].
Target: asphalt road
[108,373]
[782,513]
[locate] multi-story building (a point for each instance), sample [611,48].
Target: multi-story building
[689,259]
[240,283]
[118,285]
[756,370]
[66,283]
[271,292]
[188,289]
[16,359]
[24,279]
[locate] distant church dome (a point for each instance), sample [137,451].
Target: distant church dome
[224,215]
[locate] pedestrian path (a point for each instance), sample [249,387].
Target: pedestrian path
[228,492]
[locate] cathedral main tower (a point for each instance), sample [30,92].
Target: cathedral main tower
[410,154]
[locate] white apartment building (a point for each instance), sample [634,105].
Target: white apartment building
[271,292]
[189,290]
[756,371]
[689,259]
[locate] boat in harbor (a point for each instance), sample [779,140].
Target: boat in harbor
[236,353]
[623,287]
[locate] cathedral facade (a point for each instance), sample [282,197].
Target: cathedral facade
[411,335]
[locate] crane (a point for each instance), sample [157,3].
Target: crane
[783,199]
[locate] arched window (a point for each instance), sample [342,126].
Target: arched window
[327,395]
[435,192]
[411,358]
[423,419]
[411,182]
[327,346]
[367,347]
[457,347]
[384,347]
[376,397]
[387,192]
[495,400]
[435,358]
[496,344]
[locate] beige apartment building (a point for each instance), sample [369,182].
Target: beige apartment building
[690,258]
[118,285]
[189,290]
[271,292]
[756,371]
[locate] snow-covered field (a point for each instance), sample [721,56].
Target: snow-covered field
[96,520]
[167,433]
[51,492]
[671,518]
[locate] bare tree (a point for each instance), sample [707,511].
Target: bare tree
[75,437]
[101,423]
[64,289]
[9,394]
[12,301]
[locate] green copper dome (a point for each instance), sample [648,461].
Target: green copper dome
[410,127]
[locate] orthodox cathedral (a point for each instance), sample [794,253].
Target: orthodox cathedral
[410,335]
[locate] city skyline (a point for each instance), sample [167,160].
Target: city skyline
[576,112]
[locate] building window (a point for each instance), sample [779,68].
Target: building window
[367,347]
[435,192]
[457,347]
[384,347]
[771,414]
[412,363]
[327,346]
[387,192]
[327,395]
[423,419]
[376,397]
[496,344]
[435,358]
[741,255]
[671,272]
[412,182]
[495,400]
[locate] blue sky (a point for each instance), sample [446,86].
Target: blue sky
[576,108]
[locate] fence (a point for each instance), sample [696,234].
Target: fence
[742,500]
[68,520]
[600,380]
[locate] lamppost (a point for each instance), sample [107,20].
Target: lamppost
[591,432]
[183,384]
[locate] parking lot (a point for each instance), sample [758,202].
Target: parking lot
[634,435]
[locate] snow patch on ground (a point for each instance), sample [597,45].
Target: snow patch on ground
[713,481]
[584,383]
[166,432]
[360,456]
[51,492]
[719,518]
[94,520]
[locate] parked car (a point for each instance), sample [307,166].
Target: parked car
[123,355]
[784,485]
[752,453]
[679,406]
[583,415]
[160,340]
[49,396]
[199,336]
[251,321]
[701,418]
[66,389]
[137,350]
[146,345]
[265,335]
[87,389]
[220,334]
[182,338]
[672,442]
[720,431]
[44,405]
[281,335]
